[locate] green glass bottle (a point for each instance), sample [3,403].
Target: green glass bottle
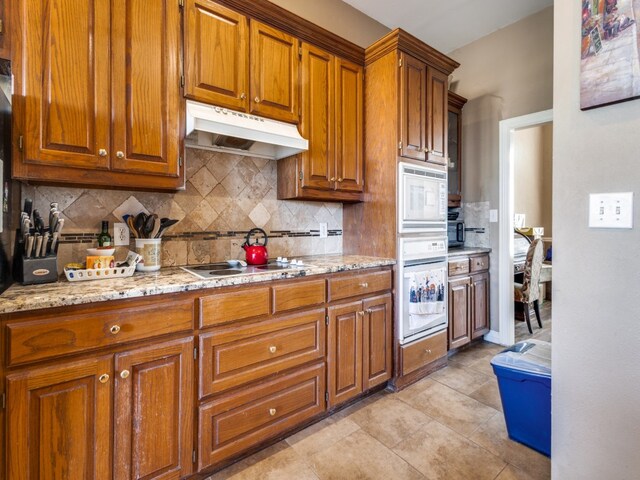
[104,239]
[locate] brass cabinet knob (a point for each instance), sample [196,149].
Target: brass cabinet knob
[272,349]
[427,351]
[104,378]
[364,285]
[119,154]
[426,150]
[333,179]
[257,99]
[340,179]
[369,311]
[272,411]
[124,373]
[361,313]
[115,329]
[102,152]
[243,96]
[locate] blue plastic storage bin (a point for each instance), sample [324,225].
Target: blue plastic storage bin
[524,379]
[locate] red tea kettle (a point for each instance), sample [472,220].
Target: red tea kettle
[256,253]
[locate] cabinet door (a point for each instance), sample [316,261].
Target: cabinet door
[454,120]
[437,116]
[5,34]
[146,86]
[59,421]
[413,114]
[459,312]
[62,83]
[274,73]
[480,305]
[344,355]
[216,55]
[349,126]
[377,349]
[153,436]
[317,121]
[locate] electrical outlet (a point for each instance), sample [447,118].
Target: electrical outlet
[324,230]
[120,234]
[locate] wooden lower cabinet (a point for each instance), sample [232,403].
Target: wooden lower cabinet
[359,347]
[59,421]
[459,310]
[344,355]
[468,299]
[377,352]
[237,421]
[479,305]
[153,407]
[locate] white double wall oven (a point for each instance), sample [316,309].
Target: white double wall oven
[421,308]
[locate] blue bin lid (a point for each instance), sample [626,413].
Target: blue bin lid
[532,356]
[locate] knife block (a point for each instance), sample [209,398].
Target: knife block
[33,271]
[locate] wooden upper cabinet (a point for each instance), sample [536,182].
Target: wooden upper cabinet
[216,55]
[153,406]
[146,86]
[413,107]
[63,76]
[349,126]
[274,73]
[317,123]
[5,33]
[437,116]
[59,421]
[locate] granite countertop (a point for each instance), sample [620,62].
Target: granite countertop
[168,280]
[461,251]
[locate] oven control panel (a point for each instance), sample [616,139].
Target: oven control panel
[419,248]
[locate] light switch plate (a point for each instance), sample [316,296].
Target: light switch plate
[611,210]
[324,231]
[493,216]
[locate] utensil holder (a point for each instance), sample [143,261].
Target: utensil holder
[150,249]
[35,270]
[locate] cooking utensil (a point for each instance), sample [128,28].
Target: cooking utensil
[38,245]
[132,227]
[156,229]
[45,241]
[28,205]
[256,252]
[149,225]
[54,242]
[38,222]
[165,223]
[139,222]
[29,246]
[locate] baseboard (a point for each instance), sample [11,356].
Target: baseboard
[494,337]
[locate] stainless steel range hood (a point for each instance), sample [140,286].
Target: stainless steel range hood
[222,130]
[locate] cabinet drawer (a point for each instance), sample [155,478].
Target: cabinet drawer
[458,267]
[480,263]
[51,337]
[236,355]
[359,284]
[297,295]
[235,422]
[423,352]
[234,305]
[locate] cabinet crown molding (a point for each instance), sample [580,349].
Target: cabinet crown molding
[456,100]
[398,39]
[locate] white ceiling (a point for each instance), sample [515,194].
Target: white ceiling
[449,24]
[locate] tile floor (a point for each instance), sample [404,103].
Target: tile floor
[447,426]
[544,333]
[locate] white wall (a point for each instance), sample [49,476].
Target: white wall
[533,165]
[596,278]
[504,75]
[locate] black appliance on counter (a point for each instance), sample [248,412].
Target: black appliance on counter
[455,229]
[8,200]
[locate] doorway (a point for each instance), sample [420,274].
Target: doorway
[507,140]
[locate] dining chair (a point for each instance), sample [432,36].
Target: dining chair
[528,292]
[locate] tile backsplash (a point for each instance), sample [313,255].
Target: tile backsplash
[225,196]
[476,221]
